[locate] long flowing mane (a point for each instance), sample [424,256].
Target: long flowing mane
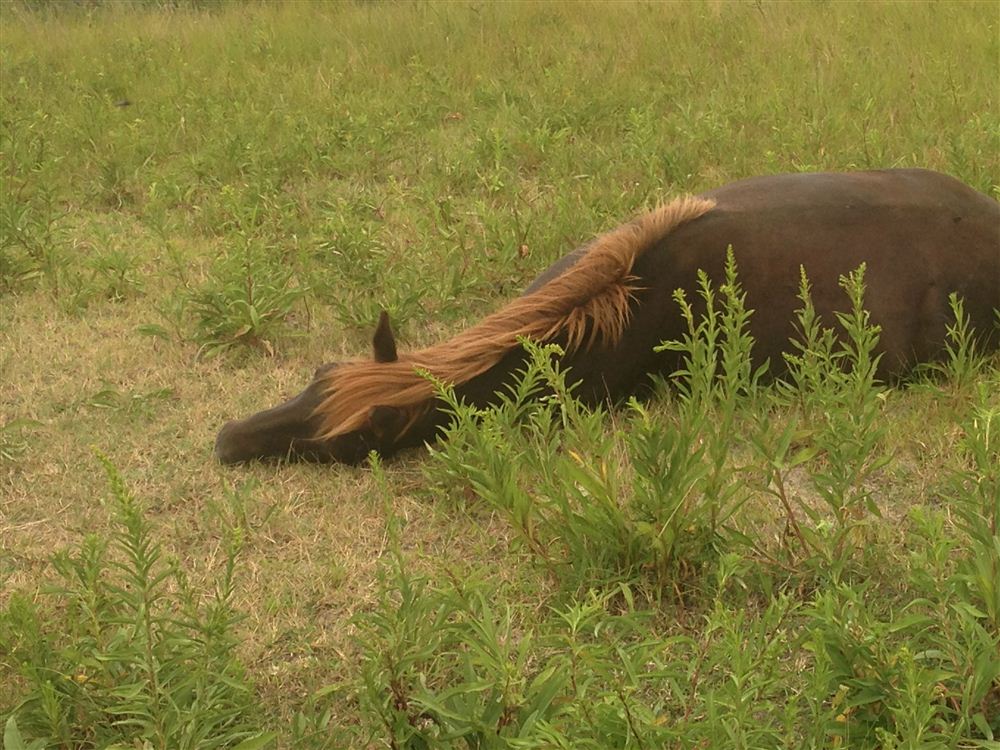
[587,303]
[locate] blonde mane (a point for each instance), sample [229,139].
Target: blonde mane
[585,304]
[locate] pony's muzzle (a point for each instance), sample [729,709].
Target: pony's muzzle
[227,449]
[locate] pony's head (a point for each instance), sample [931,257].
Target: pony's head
[299,430]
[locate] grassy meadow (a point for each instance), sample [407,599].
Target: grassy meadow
[201,202]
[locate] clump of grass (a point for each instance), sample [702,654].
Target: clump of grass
[124,652]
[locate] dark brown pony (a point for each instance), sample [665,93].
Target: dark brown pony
[922,235]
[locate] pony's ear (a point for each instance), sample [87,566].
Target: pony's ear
[383,342]
[386,422]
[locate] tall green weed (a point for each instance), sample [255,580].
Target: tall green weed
[123,651]
[834,435]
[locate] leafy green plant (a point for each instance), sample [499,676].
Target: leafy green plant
[716,380]
[131,656]
[112,182]
[923,676]
[358,273]
[738,707]
[13,443]
[590,506]
[954,566]
[13,740]
[245,303]
[115,275]
[832,381]
[110,398]
[32,240]
[444,667]
[172,311]
[237,511]
[969,650]
[963,365]
[976,494]
[674,524]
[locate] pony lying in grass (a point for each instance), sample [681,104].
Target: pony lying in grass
[922,235]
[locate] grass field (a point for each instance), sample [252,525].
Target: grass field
[202,202]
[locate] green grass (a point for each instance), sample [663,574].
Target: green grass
[201,202]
